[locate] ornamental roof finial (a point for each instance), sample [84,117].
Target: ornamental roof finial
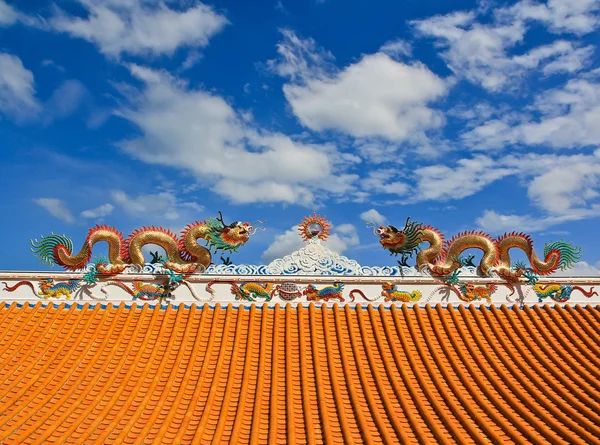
[315,227]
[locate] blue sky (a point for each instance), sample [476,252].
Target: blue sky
[464,115]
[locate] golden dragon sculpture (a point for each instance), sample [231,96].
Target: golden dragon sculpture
[442,257]
[184,254]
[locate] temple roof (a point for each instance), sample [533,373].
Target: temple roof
[257,374]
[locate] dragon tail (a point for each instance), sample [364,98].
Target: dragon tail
[361,294]
[47,248]
[16,286]
[563,255]
[416,295]
[121,285]
[510,287]
[588,294]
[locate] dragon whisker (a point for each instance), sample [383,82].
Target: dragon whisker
[374,226]
[256,229]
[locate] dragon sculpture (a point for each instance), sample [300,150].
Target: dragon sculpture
[252,291]
[471,292]
[185,254]
[246,291]
[146,291]
[559,293]
[48,288]
[442,257]
[326,293]
[391,293]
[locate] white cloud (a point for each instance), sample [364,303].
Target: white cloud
[479,52]
[571,61]
[376,96]
[563,183]
[164,204]
[283,244]
[17,91]
[192,59]
[373,215]
[202,133]
[577,124]
[141,27]
[8,15]
[18,95]
[440,182]
[495,133]
[64,100]
[477,113]
[397,49]
[377,151]
[557,184]
[342,238]
[300,59]
[56,208]
[565,188]
[576,16]
[473,51]
[566,117]
[52,63]
[279,7]
[268,191]
[494,222]
[98,212]
[384,181]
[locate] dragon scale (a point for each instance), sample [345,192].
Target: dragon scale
[132,249]
[97,234]
[448,255]
[556,255]
[184,254]
[443,257]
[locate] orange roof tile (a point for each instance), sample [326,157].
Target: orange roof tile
[142,374]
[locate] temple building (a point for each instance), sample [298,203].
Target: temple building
[310,348]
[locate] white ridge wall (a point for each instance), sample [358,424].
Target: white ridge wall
[295,289]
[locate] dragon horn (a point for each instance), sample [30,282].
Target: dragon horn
[220,219]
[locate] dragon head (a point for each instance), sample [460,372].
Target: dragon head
[310,291]
[403,242]
[388,286]
[229,237]
[236,233]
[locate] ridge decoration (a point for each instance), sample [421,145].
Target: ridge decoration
[145,291]
[391,293]
[250,291]
[559,293]
[443,257]
[333,292]
[48,288]
[184,254]
[313,227]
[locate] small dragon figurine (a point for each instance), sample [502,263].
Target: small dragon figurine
[325,293]
[246,291]
[559,293]
[391,293]
[48,288]
[443,257]
[146,291]
[185,254]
